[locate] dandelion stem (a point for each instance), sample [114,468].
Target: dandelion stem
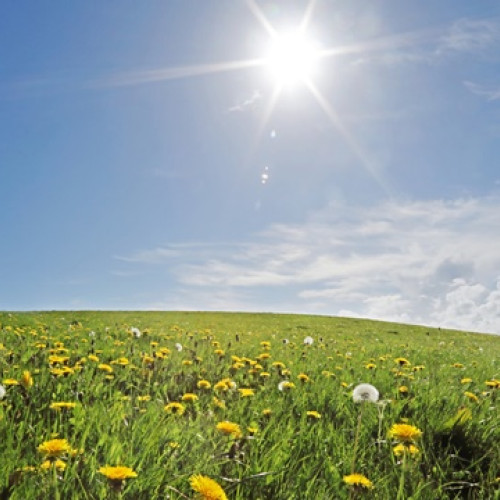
[356,439]
[56,487]
[380,408]
[401,489]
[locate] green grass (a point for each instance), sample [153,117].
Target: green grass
[291,456]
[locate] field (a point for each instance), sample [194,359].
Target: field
[244,406]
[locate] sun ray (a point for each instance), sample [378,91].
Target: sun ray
[257,12]
[175,73]
[347,137]
[307,16]
[383,43]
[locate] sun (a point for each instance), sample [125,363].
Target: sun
[292,58]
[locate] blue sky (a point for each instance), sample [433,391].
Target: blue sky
[148,159]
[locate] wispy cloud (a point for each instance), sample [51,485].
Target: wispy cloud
[433,262]
[471,36]
[249,103]
[490,93]
[479,37]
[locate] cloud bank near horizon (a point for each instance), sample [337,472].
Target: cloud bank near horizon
[425,262]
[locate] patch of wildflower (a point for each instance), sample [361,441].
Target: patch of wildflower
[174,408]
[229,428]
[206,488]
[358,481]
[405,433]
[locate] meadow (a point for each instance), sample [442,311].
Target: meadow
[166,405]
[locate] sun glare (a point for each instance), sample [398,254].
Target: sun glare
[292,59]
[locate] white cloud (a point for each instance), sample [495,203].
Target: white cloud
[471,36]
[478,37]
[491,93]
[427,262]
[247,103]
[153,256]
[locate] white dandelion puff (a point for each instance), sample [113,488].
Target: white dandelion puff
[308,340]
[365,392]
[136,332]
[3,392]
[178,347]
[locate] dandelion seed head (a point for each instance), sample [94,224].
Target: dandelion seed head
[365,392]
[136,332]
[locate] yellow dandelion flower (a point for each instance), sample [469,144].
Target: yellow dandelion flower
[267,412]
[28,468]
[175,408]
[219,403]
[27,380]
[62,372]
[358,480]
[405,433]
[225,385]
[10,381]
[58,360]
[146,397]
[400,450]
[148,360]
[314,415]
[370,366]
[93,357]
[303,377]
[285,386]
[207,488]
[105,368]
[494,383]
[402,362]
[466,380]
[45,465]
[117,473]
[62,406]
[189,397]
[229,428]
[246,393]
[403,390]
[471,396]
[203,384]
[54,448]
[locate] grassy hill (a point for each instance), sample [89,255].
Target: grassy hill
[247,400]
